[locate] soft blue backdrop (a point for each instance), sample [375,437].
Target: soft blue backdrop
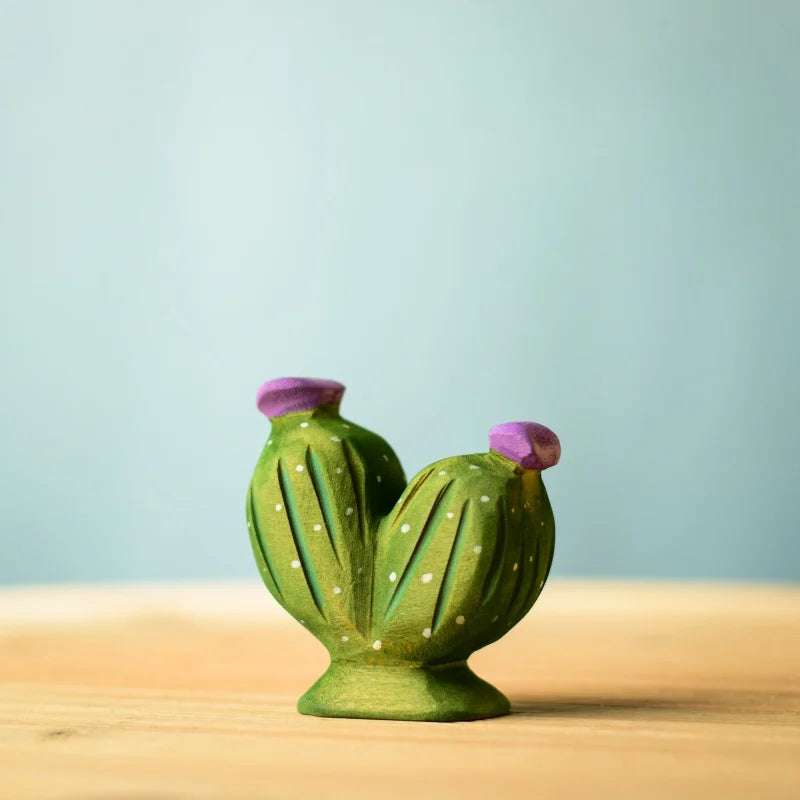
[583,213]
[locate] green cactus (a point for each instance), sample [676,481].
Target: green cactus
[400,583]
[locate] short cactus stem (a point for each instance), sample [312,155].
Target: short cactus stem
[400,582]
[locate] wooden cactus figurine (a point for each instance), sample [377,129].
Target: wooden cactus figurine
[401,583]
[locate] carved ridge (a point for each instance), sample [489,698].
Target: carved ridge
[262,548]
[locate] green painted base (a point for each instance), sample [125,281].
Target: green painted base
[446,693]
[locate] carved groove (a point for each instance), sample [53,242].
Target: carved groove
[321,490]
[416,553]
[530,595]
[515,592]
[446,588]
[295,528]
[414,489]
[551,548]
[495,571]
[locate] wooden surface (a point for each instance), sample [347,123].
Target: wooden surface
[618,690]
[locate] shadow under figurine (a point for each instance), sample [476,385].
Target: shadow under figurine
[400,582]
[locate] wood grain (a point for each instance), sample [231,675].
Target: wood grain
[623,690]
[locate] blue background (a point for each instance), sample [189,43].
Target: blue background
[581,213]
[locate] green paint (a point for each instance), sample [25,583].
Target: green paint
[447,693]
[400,582]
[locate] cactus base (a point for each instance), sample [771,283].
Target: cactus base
[447,693]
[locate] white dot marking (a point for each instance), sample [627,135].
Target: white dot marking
[392,576]
[474,466]
[278,506]
[427,577]
[376,645]
[295,564]
[318,527]
[449,515]
[379,478]
[405,527]
[348,511]
[460,619]
[516,566]
[442,472]
[386,458]
[303,424]
[426,632]
[477,548]
[345,638]
[335,439]
[338,470]
[337,589]
[484,498]
[299,468]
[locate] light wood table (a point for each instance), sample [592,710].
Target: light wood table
[187,692]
